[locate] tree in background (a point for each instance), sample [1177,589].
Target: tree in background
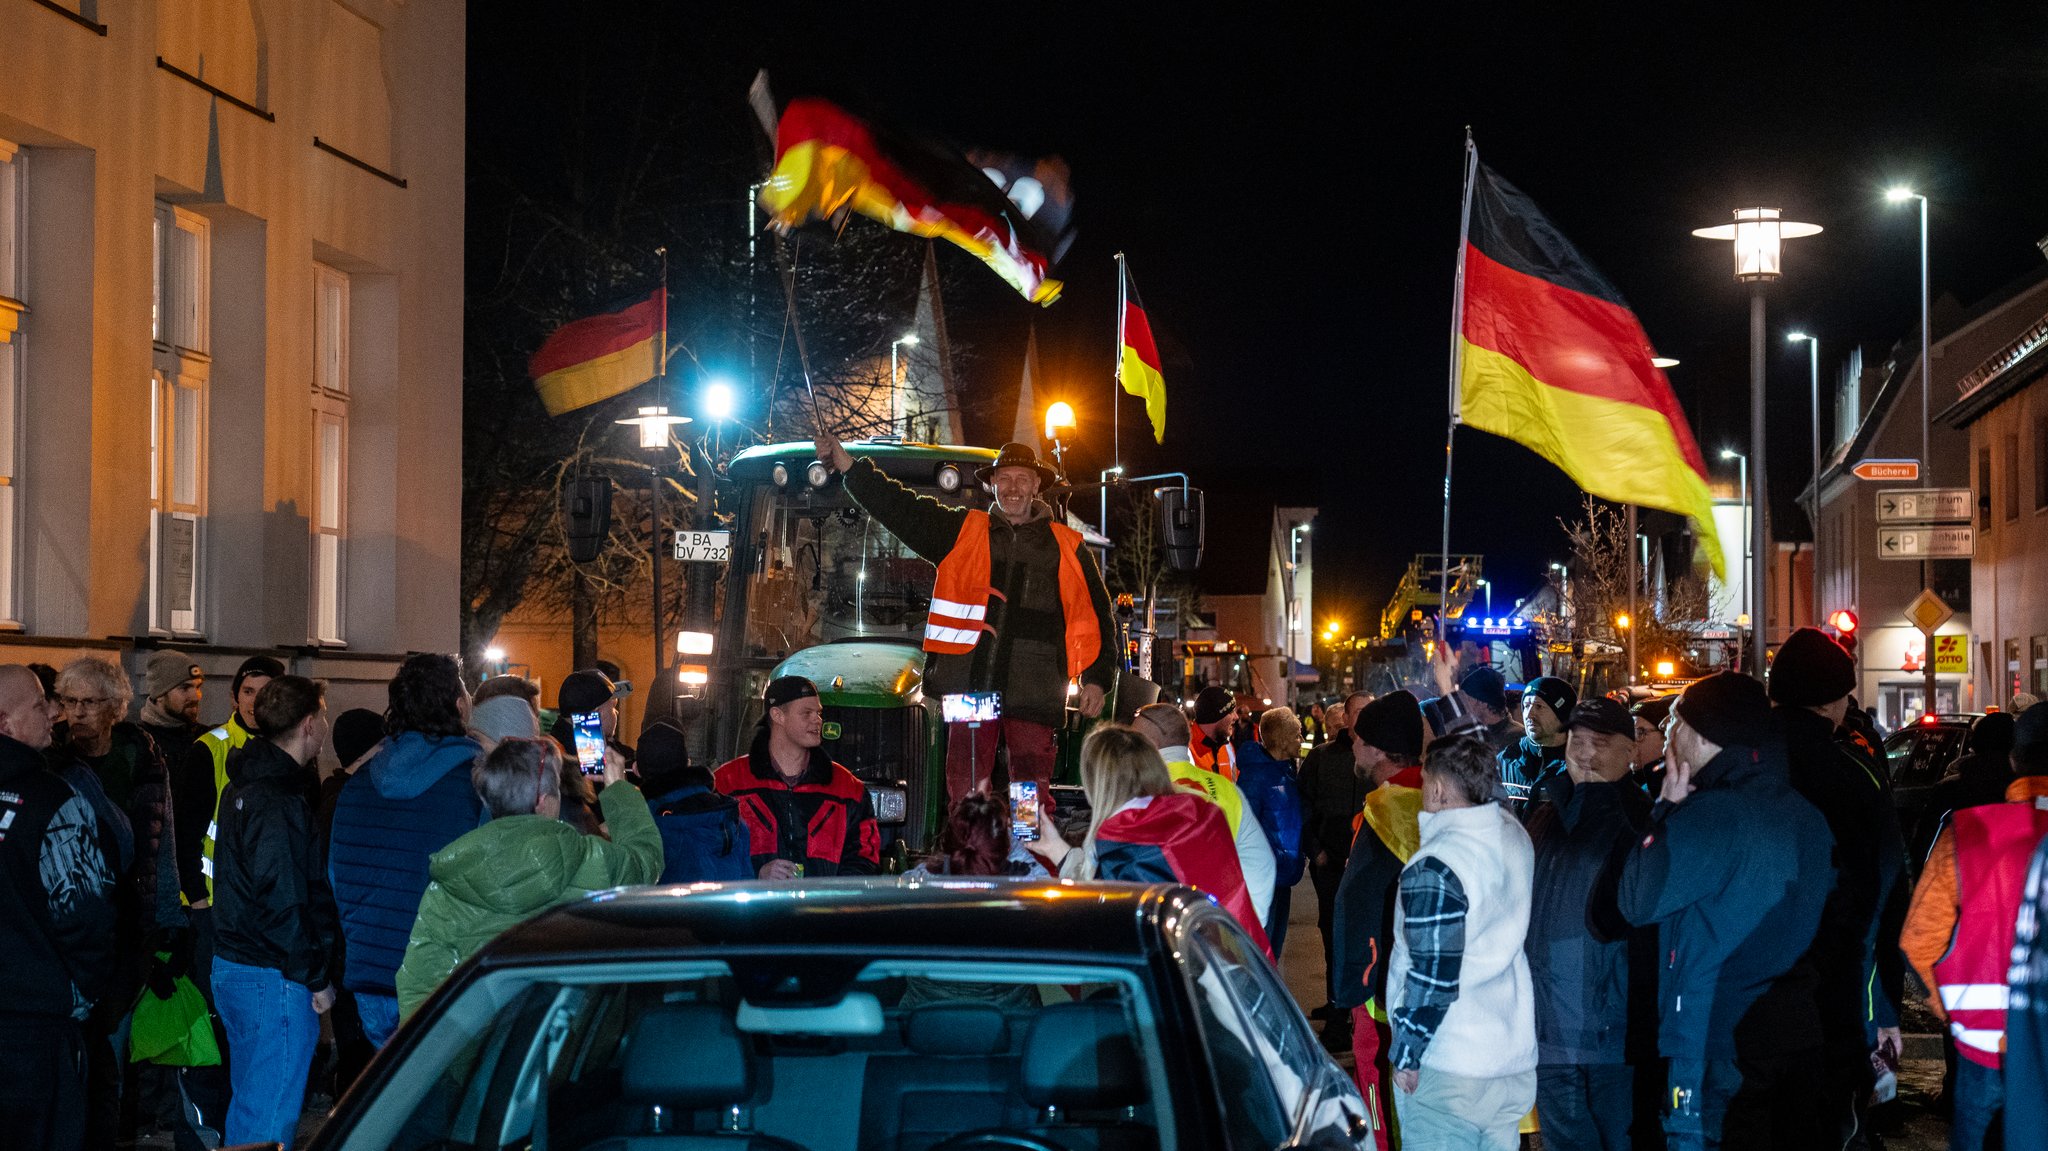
[1667,620]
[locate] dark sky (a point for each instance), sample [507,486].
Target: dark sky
[1287,190]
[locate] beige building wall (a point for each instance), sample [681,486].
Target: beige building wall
[291,136]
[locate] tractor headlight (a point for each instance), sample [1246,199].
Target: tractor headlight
[890,804]
[818,475]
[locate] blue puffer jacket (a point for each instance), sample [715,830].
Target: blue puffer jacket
[1270,791]
[702,838]
[400,808]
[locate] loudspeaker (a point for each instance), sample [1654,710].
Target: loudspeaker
[587,516]
[1181,527]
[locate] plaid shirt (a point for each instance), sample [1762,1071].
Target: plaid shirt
[1433,907]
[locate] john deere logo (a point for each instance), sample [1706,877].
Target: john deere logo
[831,731]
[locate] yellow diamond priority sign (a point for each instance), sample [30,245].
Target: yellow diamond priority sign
[1927,611]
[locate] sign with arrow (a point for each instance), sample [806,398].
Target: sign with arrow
[1923,505]
[1907,470]
[1925,543]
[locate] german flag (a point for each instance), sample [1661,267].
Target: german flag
[1551,357]
[1012,215]
[599,357]
[1139,369]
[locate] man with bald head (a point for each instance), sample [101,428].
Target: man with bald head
[56,927]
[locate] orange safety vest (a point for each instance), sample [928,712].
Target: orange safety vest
[1993,846]
[960,595]
[1221,760]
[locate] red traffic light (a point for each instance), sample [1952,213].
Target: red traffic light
[1844,621]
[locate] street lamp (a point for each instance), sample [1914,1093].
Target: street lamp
[896,380]
[1900,195]
[656,426]
[1059,417]
[719,401]
[1813,503]
[1748,589]
[1488,585]
[1758,235]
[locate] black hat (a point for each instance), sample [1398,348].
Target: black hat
[2030,730]
[1392,723]
[1728,708]
[663,759]
[1555,692]
[788,689]
[1487,686]
[585,691]
[356,731]
[1603,714]
[261,665]
[1811,670]
[1654,710]
[1213,704]
[1014,455]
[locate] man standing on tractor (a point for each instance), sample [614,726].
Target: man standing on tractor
[1018,608]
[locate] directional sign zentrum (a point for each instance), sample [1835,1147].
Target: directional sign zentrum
[1923,505]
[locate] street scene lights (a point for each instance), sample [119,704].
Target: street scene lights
[1899,195]
[1059,419]
[719,401]
[1758,236]
[898,409]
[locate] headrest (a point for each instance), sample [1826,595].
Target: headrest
[1081,1055]
[688,1056]
[955,1029]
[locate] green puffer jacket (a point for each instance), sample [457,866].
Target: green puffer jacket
[515,867]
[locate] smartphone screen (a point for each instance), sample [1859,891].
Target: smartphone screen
[1024,811]
[589,730]
[971,706]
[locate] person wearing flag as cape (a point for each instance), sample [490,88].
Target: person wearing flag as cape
[1018,608]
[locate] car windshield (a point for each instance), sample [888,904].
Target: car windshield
[829,571]
[804,1053]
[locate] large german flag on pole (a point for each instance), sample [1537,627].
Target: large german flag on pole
[599,357]
[1011,214]
[1551,357]
[1138,363]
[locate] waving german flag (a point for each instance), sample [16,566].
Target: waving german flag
[1551,357]
[1139,367]
[598,357]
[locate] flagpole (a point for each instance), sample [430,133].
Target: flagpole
[1457,364]
[662,684]
[1116,385]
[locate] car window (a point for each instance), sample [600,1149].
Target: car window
[1260,1051]
[1918,756]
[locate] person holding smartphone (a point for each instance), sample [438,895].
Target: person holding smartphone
[805,815]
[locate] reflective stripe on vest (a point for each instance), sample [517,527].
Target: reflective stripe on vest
[1994,844]
[959,613]
[219,742]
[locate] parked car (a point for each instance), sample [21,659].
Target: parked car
[888,1014]
[1917,757]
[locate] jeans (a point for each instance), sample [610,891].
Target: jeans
[1453,1113]
[1979,1107]
[1276,919]
[379,1014]
[272,1026]
[1585,1105]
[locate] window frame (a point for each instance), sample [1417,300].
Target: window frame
[2012,476]
[13,360]
[180,412]
[327,583]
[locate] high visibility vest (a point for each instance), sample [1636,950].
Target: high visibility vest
[1221,760]
[1212,786]
[960,595]
[1993,846]
[219,742]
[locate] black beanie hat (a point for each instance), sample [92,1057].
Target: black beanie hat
[356,731]
[1555,692]
[1487,686]
[1213,704]
[1811,670]
[1392,723]
[2030,733]
[1728,708]
[261,665]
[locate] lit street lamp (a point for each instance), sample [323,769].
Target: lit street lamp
[1488,585]
[1759,235]
[1059,417]
[1748,589]
[656,425]
[1813,503]
[901,411]
[1899,196]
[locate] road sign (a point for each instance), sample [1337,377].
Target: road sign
[1952,654]
[704,547]
[1927,611]
[1924,543]
[1923,505]
[1887,470]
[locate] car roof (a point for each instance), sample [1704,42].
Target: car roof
[888,913]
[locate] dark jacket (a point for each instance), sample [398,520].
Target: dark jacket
[1025,657]
[411,800]
[1363,919]
[1578,960]
[1525,767]
[272,906]
[195,803]
[822,821]
[2026,1018]
[1332,795]
[56,914]
[702,837]
[1735,877]
[1273,796]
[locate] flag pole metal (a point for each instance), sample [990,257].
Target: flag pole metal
[662,685]
[1457,364]
[1117,377]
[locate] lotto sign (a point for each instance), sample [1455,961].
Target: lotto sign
[1952,654]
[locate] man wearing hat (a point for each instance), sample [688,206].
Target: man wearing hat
[1018,607]
[1860,983]
[581,693]
[170,702]
[1539,754]
[1486,697]
[1733,869]
[202,774]
[805,815]
[1387,745]
[1215,722]
[1578,947]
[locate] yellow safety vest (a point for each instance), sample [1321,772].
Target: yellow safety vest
[1219,790]
[219,742]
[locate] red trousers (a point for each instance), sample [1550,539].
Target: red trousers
[1367,1044]
[971,757]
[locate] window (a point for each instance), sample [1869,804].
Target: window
[2040,668]
[330,450]
[1984,489]
[2012,477]
[12,310]
[2040,462]
[180,324]
[2015,681]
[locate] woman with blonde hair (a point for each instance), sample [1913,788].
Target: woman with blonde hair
[1144,829]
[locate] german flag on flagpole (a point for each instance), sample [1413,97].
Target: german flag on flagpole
[1138,359]
[599,357]
[1551,357]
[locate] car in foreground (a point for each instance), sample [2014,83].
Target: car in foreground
[888,1014]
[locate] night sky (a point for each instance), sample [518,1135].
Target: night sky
[1287,192]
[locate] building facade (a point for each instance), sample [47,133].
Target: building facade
[231,332]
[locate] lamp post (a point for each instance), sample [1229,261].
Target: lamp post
[1759,235]
[1102,496]
[1748,589]
[1899,196]
[656,424]
[1813,502]
[1488,585]
[901,411]
[1059,417]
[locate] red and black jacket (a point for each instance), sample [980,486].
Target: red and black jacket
[822,821]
